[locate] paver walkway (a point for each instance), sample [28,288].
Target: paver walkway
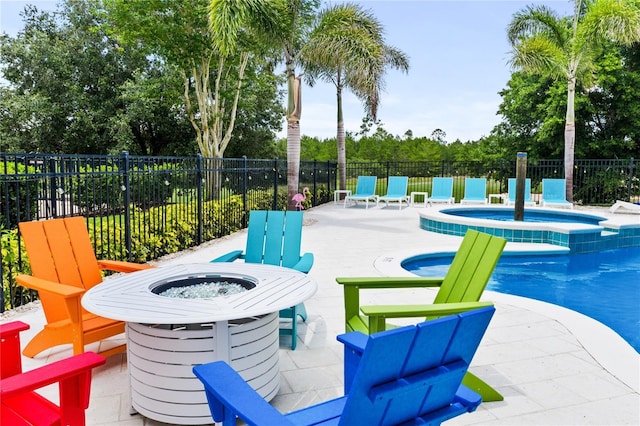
[548,362]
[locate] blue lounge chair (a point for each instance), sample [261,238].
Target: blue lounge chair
[554,193]
[396,191]
[274,238]
[441,191]
[408,375]
[475,191]
[365,191]
[511,198]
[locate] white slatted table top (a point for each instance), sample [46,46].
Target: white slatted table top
[128,297]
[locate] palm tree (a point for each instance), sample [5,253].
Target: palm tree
[347,48]
[566,48]
[237,24]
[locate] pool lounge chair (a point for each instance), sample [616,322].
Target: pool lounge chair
[511,197]
[624,207]
[441,191]
[409,375]
[396,191]
[459,291]
[365,191]
[475,191]
[554,193]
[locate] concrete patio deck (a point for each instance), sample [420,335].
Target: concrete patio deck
[553,366]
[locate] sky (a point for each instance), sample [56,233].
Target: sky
[458,57]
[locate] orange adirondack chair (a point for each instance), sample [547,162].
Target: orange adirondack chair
[21,405]
[64,267]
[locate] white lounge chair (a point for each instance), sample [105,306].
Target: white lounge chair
[441,191]
[365,191]
[475,191]
[396,191]
[624,207]
[553,193]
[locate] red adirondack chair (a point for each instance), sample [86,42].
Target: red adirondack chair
[21,405]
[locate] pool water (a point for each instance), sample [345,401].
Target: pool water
[603,285]
[530,215]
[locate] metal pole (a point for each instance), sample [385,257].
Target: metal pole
[521,176]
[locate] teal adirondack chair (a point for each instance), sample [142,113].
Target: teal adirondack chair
[475,191]
[441,191]
[274,238]
[554,193]
[460,290]
[396,191]
[409,375]
[365,191]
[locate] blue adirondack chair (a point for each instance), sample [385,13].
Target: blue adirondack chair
[441,191]
[274,238]
[554,193]
[511,196]
[396,191]
[475,191]
[365,191]
[407,375]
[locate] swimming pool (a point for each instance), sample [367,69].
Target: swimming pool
[603,285]
[530,215]
[580,232]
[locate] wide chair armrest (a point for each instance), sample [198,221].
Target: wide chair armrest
[390,282]
[229,396]
[305,263]
[378,314]
[39,284]
[229,257]
[120,266]
[59,371]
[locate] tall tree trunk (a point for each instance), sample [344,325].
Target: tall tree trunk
[342,148]
[570,138]
[294,110]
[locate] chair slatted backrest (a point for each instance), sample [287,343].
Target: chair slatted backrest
[397,186]
[471,268]
[554,190]
[274,237]
[366,185]
[442,187]
[512,189]
[413,371]
[59,250]
[475,188]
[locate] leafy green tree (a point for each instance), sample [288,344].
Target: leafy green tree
[176,32]
[565,48]
[236,24]
[55,99]
[347,49]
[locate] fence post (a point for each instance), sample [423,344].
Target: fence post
[630,180]
[199,196]
[275,184]
[127,203]
[245,173]
[52,187]
[315,182]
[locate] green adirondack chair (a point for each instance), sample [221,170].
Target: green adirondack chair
[460,290]
[274,238]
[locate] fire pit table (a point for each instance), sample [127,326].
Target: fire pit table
[168,335]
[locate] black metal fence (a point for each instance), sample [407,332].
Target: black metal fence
[596,182]
[140,208]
